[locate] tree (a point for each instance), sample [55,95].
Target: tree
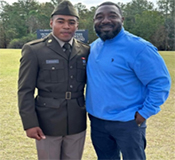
[167,8]
[86,20]
[55,2]
[158,38]
[43,15]
[147,23]
[22,18]
[7,31]
[143,20]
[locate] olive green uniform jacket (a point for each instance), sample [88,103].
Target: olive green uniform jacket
[58,107]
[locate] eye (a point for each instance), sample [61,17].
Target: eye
[113,16]
[72,22]
[99,17]
[60,22]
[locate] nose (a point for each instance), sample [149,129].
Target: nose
[66,25]
[106,20]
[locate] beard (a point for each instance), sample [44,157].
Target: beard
[105,35]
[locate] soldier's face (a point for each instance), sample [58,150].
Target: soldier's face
[64,27]
[107,21]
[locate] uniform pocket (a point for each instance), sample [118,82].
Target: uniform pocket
[49,102]
[81,71]
[53,73]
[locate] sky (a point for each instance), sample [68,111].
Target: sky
[87,3]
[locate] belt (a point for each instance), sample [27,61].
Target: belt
[66,95]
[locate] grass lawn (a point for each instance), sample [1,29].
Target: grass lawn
[14,145]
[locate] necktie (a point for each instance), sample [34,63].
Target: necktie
[67,48]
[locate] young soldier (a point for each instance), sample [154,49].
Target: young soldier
[56,66]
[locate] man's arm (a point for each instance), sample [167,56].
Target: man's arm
[26,87]
[150,68]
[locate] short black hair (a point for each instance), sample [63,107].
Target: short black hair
[110,3]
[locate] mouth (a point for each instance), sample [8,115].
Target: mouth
[106,27]
[66,33]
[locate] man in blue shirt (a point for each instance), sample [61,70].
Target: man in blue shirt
[127,83]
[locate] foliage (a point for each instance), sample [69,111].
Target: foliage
[167,8]
[18,43]
[145,21]
[86,20]
[156,25]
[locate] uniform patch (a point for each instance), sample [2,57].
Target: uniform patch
[53,61]
[83,60]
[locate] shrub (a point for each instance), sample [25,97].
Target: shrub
[18,43]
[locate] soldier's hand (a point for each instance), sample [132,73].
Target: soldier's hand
[35,133]
[139,119]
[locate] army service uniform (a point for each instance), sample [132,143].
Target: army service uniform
[59,107]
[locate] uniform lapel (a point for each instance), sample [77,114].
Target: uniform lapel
[75,48]
[55,46]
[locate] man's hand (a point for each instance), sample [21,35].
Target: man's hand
[139,119]
[35,133]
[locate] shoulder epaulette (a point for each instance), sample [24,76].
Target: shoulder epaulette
[38,41]
[35,41]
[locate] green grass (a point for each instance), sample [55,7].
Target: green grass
[14,145]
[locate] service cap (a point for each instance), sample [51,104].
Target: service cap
[65,8]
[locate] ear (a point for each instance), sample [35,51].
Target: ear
[123,20]
[51,22]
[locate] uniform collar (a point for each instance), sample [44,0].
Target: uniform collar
[61,42]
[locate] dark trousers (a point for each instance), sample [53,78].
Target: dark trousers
[110,138]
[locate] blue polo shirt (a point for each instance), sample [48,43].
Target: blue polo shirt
[124,75]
